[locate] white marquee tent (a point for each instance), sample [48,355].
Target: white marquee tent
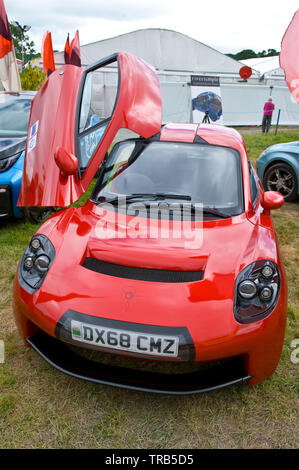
[166,50]
[269,69]
[176,57]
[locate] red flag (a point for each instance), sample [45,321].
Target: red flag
[9,74]
[48,54]
[67,50]
[75,54]
[5,35]
[288,58]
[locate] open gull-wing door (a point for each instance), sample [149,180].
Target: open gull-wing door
[288,57]
[72,126]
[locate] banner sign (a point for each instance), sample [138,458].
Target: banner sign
[204,80]
[206,99]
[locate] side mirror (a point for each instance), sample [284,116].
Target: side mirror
[272,200]
[66,162]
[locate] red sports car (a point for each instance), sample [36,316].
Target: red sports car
[195,301]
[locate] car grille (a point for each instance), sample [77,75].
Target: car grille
[142,274]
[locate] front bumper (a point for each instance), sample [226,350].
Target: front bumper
[214,332]
[218,375]
[250,357]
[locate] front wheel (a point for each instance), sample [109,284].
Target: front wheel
[282,178]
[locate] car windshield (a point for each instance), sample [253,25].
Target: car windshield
[206,174]
[14,115]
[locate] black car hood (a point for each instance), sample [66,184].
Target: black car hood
[11,145]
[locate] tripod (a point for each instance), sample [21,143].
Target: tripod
[206,118]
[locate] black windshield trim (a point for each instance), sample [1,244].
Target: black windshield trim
[101,63]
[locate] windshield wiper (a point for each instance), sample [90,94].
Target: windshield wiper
[209,211]
[185,197]
[156,196]
[152,196]
[216,212]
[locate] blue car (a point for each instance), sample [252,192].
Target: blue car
[14,118]
[278,169]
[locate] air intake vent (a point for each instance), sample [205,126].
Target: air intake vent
[141,274]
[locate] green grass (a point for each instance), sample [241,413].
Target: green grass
[258,142]
[41,407]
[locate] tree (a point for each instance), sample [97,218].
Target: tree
[32,78]
[246,54]
[268,53]
[250,54]
[29,46]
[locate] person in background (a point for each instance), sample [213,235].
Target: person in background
[268,110]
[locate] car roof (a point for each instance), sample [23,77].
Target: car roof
[208,133]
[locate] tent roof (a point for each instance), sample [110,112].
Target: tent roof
[265,65]
[164,49]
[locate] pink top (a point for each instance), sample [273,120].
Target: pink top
[268,108]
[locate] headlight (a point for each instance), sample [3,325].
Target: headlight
[247,289]
[35,263]
[8,162]
[35,243]
[42,263]
[268,271]
[28,262]
[256,291]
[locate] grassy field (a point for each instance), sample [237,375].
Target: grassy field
[41,407]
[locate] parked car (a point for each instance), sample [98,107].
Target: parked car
[14,118]
[278,169]
[94,282]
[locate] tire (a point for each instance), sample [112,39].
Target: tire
[37,215]
[282,178]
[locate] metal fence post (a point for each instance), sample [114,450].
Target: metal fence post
[278,117]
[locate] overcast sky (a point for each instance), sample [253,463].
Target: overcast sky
[226,25]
